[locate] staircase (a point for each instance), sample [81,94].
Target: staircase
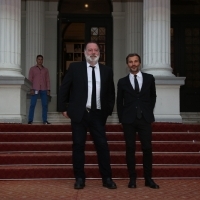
[44,151]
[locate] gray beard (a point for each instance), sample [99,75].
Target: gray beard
[89,59]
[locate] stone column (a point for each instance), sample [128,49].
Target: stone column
[119,65]
[119,53]
[157,37]
[35,15]
[134,26]
[156,56]
[13,86]
[10,37]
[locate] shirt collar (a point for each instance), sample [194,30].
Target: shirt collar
[39,67]
[139,74]
[96,66]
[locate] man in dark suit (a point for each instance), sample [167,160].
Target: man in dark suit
[136,98]
[87,97]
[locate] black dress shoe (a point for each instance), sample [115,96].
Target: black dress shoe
[79,184]
[150,183]
[46,122]
[132,183]
[108,182]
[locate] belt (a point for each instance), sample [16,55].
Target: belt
[89,109]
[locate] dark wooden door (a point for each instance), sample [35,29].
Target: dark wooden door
[185,57]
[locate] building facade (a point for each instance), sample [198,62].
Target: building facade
[165,33]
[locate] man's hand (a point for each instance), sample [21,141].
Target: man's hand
[48,92]
[32,92]
[65,114]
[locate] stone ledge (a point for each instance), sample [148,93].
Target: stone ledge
[15,80]
[167,80]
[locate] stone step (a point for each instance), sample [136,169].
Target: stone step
[58,158]
[118,171]
[158,146]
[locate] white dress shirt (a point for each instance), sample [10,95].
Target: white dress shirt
[98,85]
[139,79]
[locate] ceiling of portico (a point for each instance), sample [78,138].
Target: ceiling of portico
[185,7]
[173,2]
[105,6]
[85,6]
[185,2]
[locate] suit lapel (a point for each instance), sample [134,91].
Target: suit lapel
[101,71]
[83,71]
[128,83]
[144,81]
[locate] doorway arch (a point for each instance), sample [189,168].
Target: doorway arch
[79,23]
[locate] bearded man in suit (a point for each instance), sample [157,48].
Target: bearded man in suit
[87,97]
[136,98]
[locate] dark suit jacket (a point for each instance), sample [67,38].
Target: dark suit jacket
[74,91]
[127,99]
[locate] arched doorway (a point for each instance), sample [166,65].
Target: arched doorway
[78,23]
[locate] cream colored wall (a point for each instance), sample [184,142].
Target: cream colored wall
[50,50]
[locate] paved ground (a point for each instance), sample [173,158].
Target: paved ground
[63,189]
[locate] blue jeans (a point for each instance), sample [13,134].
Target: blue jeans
[43,96]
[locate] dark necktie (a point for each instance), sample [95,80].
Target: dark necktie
[139,114]
[93,102]
[136,84]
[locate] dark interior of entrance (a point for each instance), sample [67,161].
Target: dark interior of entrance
[78,23]
[185,51]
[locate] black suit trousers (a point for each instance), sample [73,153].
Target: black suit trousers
[145,136]
[92,120]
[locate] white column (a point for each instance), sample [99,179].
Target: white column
[10,37]
[156,56]
[157,37]
[35,15]
[119,52]
[134,27]
[13,86]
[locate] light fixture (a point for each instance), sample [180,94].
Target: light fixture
[86,5]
